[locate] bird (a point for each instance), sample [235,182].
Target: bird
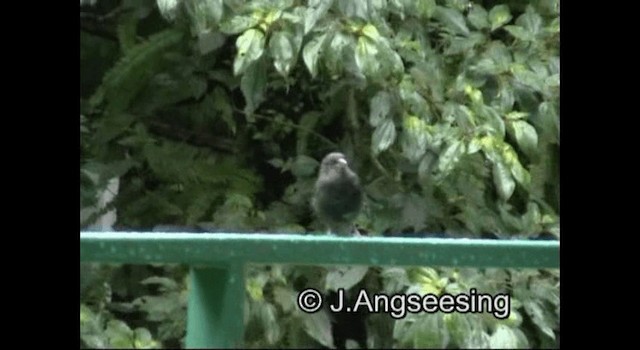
[338,197]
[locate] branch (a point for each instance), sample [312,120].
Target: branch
[293,125]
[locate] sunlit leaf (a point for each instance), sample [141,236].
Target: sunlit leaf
[282,50]
[503,181]
[379,108]
[250,47]
[316,10]
[238,24]
[452,19]
[366,56]
[345,277]
[478,17]
[425,8]
[498,16]
[311,53]
[383,136]
[168,8]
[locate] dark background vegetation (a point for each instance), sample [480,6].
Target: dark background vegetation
[213,115]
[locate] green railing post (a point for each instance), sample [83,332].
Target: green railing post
[216,302]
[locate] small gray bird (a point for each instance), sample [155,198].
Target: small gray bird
[338,197]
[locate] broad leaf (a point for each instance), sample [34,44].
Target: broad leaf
[379,108]
[253,85]
[526,136]
[250,47]
[503,181]
[238,24]
[283,51]
[452,19]
[345,277]
[383,136]
[311,53]
[499,16]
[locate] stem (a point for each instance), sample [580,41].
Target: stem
[293,125]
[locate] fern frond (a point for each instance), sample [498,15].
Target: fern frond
[130,74]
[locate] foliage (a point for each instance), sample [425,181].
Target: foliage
[214,113]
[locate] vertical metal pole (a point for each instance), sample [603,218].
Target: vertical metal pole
[215,316]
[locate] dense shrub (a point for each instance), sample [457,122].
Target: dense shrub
[213,114]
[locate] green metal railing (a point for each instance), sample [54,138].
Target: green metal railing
[216,299]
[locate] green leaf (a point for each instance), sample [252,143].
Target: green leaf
[304,166]
[460,45]
[267,316]
[459,327]
[317,9]
[225,111]
[450,157]
[552,81]
[452,19]
[526,136]
[530,21]
[250,46]
[505,338]
[283,52]
[390,62]
[383,136]
[379,109]
[371,32]
[311,53]
[478,17]
[336,53]
[204,15]
[500,55]
[119,334]
[425,8]
[345,277]
[528,78]
[318,326]
[351,8]
[427,165]
[253,85]
[127,32]
[143,339]
[493,121]
[394,279]
[308,122]
[168,8]
[503,181]
[474,145]
[515,115]
[166,283]
[430,332]
[414,211]
[366,56]
[463,116]
[549,120]
[414,138]
[238,24]
[215,9]
[122,83]
[499,16]
[209,41]
[519,33]
[286,298]
[540,317]
[505,99]
[508,155]
[554,26]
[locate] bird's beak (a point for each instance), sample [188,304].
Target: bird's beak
[342,161]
